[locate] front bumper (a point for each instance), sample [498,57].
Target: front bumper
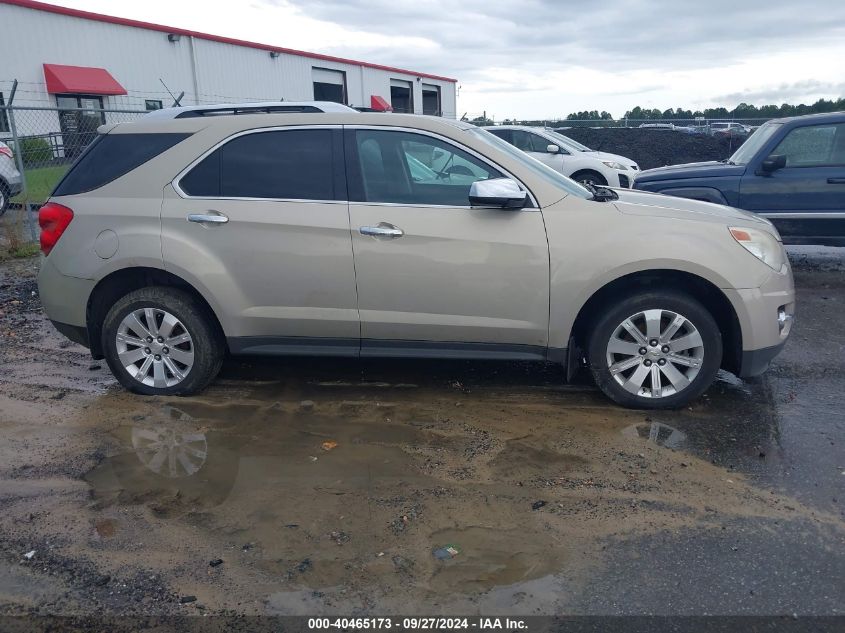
[766,317]
[755,362]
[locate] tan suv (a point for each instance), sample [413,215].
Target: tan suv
[173,242]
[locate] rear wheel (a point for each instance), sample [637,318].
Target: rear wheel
[589,177]
[655,350]
[160,341]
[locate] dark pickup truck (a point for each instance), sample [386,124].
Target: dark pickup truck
[791,171]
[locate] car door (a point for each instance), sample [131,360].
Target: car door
[261,225]
[436,276]
[806,198]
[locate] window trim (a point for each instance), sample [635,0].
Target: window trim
[342,190]
[531,197]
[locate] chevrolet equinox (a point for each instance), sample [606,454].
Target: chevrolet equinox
[172,242]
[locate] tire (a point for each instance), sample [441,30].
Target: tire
[589,176]
[157,368]
[5,197]
[684,365]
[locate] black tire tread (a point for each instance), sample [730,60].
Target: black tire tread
[623,307]
[209,349]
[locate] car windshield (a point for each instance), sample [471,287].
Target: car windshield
[568,142]
[751,146]
[543,171]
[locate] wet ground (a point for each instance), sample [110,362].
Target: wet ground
[346,487]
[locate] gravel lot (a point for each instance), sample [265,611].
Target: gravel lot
[305,487]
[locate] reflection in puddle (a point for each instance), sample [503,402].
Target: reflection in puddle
[657,433]
[521,480]
[169,453]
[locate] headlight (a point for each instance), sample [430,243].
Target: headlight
[762,244]
[613,165]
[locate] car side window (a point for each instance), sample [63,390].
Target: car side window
[814,146]
[408,168]
[522,140]
[539,143]
[505,135]
[280,164]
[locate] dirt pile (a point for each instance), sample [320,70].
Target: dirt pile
[655,148]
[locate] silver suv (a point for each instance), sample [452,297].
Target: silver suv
[171,243]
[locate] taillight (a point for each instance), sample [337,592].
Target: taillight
[53,219]
[5,150]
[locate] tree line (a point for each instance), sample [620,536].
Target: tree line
[742,111]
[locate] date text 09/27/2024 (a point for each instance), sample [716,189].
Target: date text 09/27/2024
[417,623]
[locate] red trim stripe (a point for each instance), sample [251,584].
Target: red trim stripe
[99,17]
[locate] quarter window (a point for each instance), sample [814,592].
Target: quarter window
[814,146]
[287,164]
[407,168]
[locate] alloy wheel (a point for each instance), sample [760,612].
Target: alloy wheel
[655,353]
[155,347]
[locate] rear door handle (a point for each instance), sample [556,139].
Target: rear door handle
[836,181]
[212,217]
[383,229]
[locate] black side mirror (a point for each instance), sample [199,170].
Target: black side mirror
[773,163]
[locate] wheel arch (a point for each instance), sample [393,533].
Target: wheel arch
[703,290]
[120,282]
[589,170]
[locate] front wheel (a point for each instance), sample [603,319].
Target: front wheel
[160,341]
[655,350]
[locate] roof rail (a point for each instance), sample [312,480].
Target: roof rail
[258,107]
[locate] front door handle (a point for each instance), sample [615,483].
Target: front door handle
[211,217]
[836,181]
[382,230]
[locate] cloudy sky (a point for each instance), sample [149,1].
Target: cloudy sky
[547,58]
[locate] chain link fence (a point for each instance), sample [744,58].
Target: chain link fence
[40,145]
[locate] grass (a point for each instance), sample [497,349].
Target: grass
[40,182]
[21,251]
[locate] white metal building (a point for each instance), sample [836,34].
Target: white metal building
[67,58]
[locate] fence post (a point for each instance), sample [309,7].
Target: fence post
[19,161]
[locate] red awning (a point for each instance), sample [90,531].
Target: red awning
[80,80]
[378,103]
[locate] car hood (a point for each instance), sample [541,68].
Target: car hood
[691,170]
[634,202]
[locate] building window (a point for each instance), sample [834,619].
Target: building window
[431,100]
[152,104]
[4,115]
[79,118]
[402,96]
[329,85]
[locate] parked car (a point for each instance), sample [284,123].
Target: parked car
[568,157]
[10,177]
[729,128]
[791,171]
[171,243]
[658,126]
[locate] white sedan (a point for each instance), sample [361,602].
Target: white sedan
[569,157]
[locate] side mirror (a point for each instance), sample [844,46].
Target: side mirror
[773,163]
[552,149]
[497,193]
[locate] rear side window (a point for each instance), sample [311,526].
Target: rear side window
[111,156]
[283,164]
